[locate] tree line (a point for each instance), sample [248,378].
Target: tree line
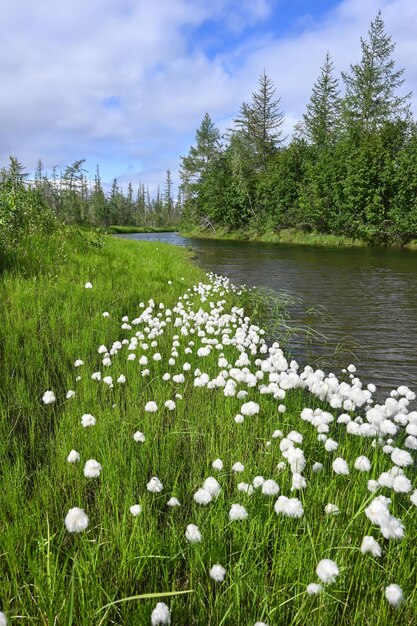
[46,199]
[350,167]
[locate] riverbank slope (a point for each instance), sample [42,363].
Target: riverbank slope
[286,236]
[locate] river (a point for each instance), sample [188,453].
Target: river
[360,303]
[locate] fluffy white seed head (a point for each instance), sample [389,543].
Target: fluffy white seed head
[217,573]
[237,513]
[327,570]
[92,469]
[370,545]
[313,589]
[202,496]
[394,594]
[154,485]
[48,397]
[73,456]
[363,464]
[88,420]
[217,464]
[76,520]
[160,615]
[340,466]
[135,509]
[192,534]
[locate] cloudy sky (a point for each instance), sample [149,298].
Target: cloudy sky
[125,83]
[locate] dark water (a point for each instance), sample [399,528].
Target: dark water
[364,300]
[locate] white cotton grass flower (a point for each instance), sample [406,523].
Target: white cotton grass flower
[76,520]
[362,464]
[170,405]
[78,363]
[88,285]
[212,486]
[193,534]
[413,498]
[298,482]
[135,509]
[317,467]
[394,594]
[70,394]
[245,488]
[290,507]
[314,588]
[154,485]
[202,496]
[139,437]
[260,624]
[173,502]
[331,445]
[402,484]
[3,619]
[88,420]
[160,615]
[249,408]
[106,314]
[258,481]
[239,419]
[340,466]
[92,468]
[327,570]
[331,509]
[217,465]
[48,397]
[217,573]
[402,458]
[151,407]
[270,488]
[238,467]
[73,456]
[121,379]
[369,544]
[237,513]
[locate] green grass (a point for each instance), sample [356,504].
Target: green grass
[119,230]
[111,572]
[286,236]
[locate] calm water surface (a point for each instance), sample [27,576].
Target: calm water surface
[364,300]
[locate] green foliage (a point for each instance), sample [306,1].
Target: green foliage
[349,170]
[371,97]
[23,213]
[259,123]
[320,120]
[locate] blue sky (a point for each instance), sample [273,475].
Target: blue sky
[125,83]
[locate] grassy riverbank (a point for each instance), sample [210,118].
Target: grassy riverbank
[184,382]
[120,230]
[289,235]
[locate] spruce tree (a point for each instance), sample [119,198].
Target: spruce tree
[260,122]
[372,85]
[321,117]
[194,165]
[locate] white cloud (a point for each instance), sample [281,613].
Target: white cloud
[125,84]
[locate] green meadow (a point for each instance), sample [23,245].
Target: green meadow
[186,331]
